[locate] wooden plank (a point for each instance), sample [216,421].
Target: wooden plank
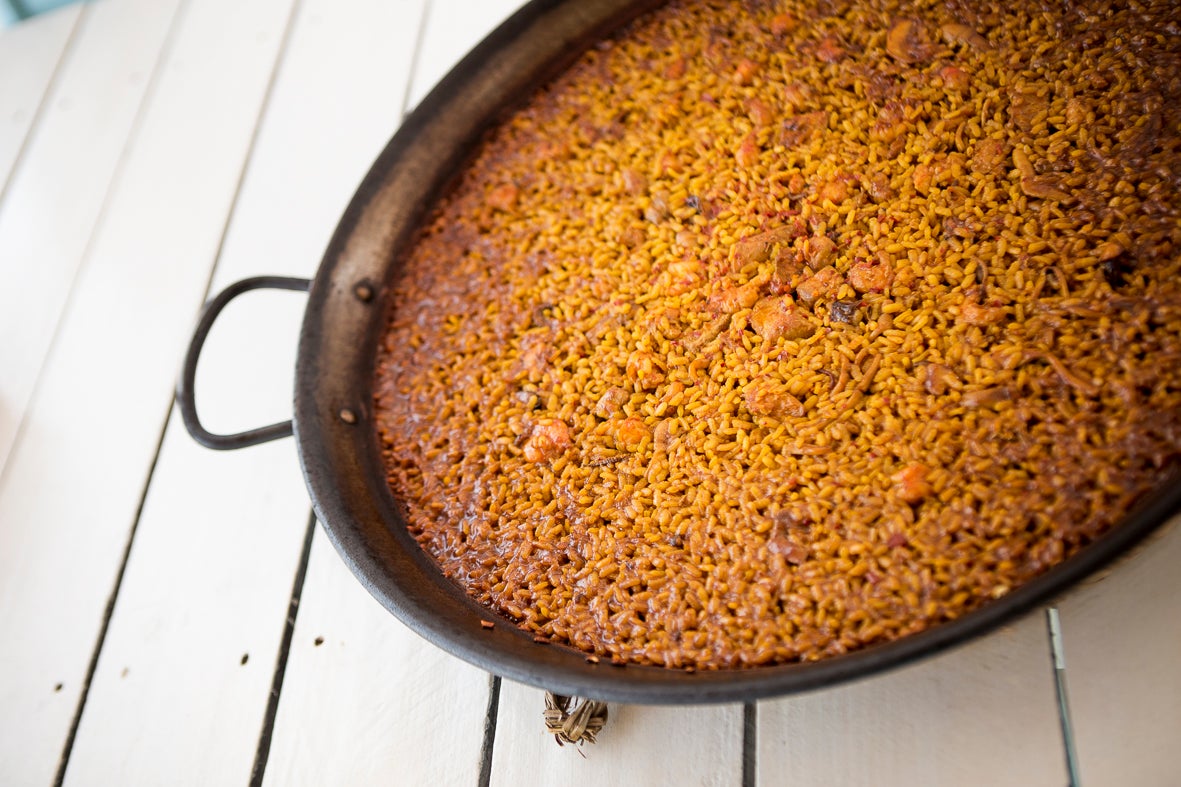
[186,666]
[365,701]
[452,28]
[1122,642]
[221,533]
[74,482]
[641,744]
[983,714]
[29,56]
[54,198]
[373,703]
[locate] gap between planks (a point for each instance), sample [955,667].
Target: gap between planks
[268,723]
[68,746]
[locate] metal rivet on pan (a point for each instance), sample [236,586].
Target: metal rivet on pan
[363,292]
[348,416]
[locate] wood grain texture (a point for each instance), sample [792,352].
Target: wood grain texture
[29,57]
[982,714]
[367,702]
[70,493]
[641,744]
[55,197]
[1122,642]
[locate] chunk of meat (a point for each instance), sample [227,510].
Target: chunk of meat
[911,483]
[922,179]
[657,210]
[870,276]
[989,156]
[634,182]
[1025,107]
[907,42]
[955,78]
[548,439]
[792,552]
[630,434]
[747,154]
[937,378]
[796,185]
[819,251]
[892,122]
[877,186]
[835,190]
[824,283]
[955,33]
[694,341]
[796,95]
[788,264]
[965,227]
[611,402]
[504,197]
[684,275]
[744,72]
[843,312]
[732,299]
[662,436]
[830,49]
[782,24]
[797,129]
[878,85]
[778,316]
[644,370]
[632,236]
[534,356]
[760,114]
[1042,188]
[758,248]
[768,397]
[983,316]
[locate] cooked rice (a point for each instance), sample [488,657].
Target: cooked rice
[773,330]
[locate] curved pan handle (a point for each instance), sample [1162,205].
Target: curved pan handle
[185,388]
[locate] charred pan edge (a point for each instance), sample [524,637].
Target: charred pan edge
[340,458]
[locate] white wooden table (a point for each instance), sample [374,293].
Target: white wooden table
[172,615]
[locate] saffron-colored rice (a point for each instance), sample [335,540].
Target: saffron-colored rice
[773,330]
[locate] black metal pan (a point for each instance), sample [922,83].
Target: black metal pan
[336,440]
